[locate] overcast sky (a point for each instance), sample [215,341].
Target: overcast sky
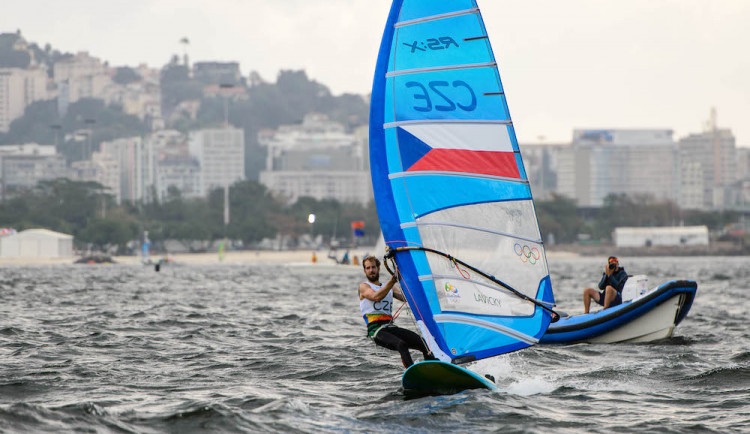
[564,64]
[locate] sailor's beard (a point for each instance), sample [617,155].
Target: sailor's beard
[375,278]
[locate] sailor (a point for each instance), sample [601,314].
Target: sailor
[613,280]
[376,301]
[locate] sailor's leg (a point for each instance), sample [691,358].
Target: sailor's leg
[414,341]
[386,338]
[609,296]
[588,294]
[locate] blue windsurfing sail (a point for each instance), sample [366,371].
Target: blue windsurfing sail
[452,195]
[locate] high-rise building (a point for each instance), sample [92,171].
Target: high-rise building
[18,89]
[79,76]
[136,161]
[101,168]
[317,159]
[23,166]
[617,161]
[175,167]
[708,159]
[221,154]
[180,171]
[743,163]
[541,162]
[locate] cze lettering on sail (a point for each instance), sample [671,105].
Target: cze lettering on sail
[452,94]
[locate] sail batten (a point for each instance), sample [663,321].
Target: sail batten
[441,68]
[473,228]
[436,17]
[447,121]
[446,318]
[448,176]
[492,286]
[458,174]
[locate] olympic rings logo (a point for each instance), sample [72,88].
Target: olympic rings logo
[527,254]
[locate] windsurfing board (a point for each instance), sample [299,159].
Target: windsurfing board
[436,377]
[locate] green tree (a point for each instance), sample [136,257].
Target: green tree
[106,233]
[559,217]
[715,221]
[35,126]
[270,105]
[41,124]
[620,210]
[177,86]
[61,205]
[251,209]
[125,75]
[333,219]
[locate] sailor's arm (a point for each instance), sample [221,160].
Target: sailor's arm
[618,279]
[365,291]
[603,282]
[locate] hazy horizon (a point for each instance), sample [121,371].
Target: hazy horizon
[578,64]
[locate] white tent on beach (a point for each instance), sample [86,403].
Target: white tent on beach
[36,243]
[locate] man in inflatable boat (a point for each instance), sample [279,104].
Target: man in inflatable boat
[613,280]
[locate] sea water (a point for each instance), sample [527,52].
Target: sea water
[279,348]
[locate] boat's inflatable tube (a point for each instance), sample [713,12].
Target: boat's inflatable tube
[587,327]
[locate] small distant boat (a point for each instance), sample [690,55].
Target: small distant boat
[651,315]
[96,258]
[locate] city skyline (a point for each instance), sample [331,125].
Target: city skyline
[582,64]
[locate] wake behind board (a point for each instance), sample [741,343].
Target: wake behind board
[441,378]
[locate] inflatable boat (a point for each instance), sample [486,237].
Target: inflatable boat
[645,316]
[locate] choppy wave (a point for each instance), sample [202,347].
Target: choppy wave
[227,348]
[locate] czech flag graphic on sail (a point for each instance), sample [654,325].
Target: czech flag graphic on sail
[484,149]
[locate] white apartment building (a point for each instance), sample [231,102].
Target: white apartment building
[180,171]
[221,154]
[136,162]
[19,88]
[102,168]
[317,159]
[541,161]
[79,76]
[23,166]
[614,161]
[743,163]
[707,160]
[690,185]
[175,166]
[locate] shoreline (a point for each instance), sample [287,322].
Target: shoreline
[304,256]
[714,249]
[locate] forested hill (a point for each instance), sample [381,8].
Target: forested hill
[267,105]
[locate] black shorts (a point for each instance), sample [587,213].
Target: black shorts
[615,302]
